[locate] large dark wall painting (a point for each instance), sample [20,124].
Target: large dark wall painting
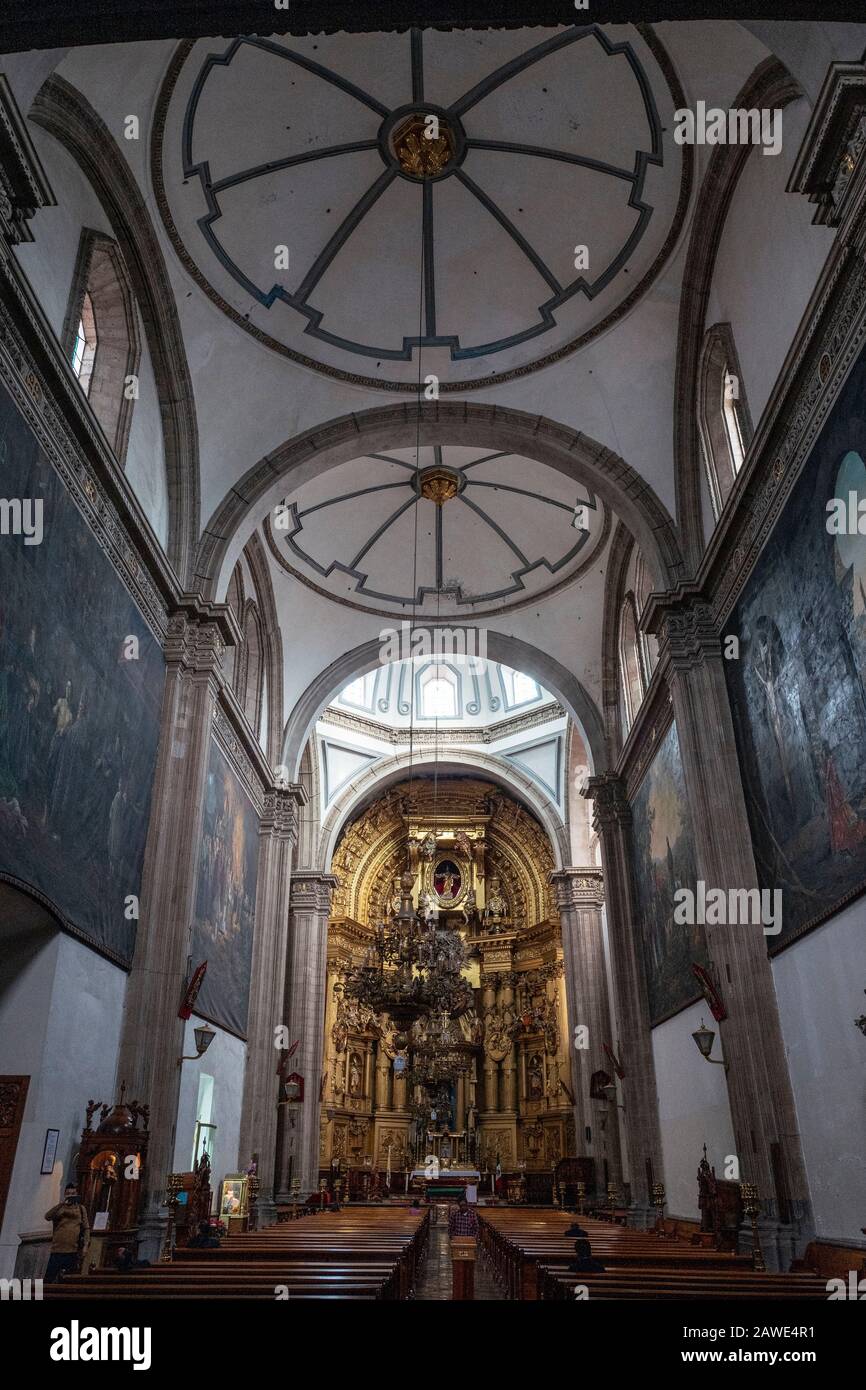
[79,721]
[226,897]
[664,860]
[798,691]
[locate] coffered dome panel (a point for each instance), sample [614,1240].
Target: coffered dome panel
[369,533]
[453,254]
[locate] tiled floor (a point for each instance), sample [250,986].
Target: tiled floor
[435,1281]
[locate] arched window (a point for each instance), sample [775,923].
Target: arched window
[519,688]
[630,670]
[86,342]
[234,664]
[724,421]
[438,693]
[251,697]
[359,692]
[101,338]
[649,647]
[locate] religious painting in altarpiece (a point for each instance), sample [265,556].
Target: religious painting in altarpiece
[226,896]
[81,680]
[664,861]
[798,689]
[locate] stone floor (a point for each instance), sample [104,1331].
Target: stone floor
[435,1281]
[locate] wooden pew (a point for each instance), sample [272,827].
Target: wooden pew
[530,1252]
[366,1253]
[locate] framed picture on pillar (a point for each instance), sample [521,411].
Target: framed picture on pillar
[49,1150]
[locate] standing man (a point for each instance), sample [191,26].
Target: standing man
[71,1234]
[463,1231]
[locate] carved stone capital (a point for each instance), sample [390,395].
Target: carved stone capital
[280,810]
[575,888]
[198,635]
[311,892]
[685,624]
[831,166]
[610,803]
[24,189]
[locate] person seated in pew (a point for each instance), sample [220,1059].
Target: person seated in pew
[206,1239]
[576,1230]
[585,1262]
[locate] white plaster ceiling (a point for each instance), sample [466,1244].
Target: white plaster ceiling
[563,138]
[506,714]
[362,534]
[486,693]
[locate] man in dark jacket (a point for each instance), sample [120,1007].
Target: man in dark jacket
[585,1262]
[71,1234]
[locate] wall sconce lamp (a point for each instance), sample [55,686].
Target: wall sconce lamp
[609,1093]
[705,1037]
[204,1036]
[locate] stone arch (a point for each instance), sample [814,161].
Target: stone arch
[509,651]
[441,422]
[67,115]
[376,779]
[770,86]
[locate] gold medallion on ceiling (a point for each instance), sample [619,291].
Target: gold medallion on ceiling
[420,153]
[438,484]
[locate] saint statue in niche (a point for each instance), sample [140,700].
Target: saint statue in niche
[447,880]
[354,1075]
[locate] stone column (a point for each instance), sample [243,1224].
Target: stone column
[383,1067]
[509,1062]
[759,1087]
[612,823]
[579,897]
[259,1113]
[152,1037]
[491,1069]
[310,901]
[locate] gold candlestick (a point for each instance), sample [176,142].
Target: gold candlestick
[174,1183]
[752,1209]
[658,1196]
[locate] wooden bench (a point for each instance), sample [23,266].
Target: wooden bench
[363,1253]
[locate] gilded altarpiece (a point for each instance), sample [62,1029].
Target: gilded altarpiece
[484,861]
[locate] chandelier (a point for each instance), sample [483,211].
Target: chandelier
[441,1052]
[412,968]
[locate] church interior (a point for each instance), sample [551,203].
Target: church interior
[432,655]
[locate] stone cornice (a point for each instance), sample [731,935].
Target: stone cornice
[24,187]
[311,891]
[429,738]
[578,887]
[831,166]
[280,811]
[610,803]
[685,624]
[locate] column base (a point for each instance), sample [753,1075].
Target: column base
[266,1213]
[781,1243]
[151,1234]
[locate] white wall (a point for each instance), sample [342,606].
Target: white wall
[61,1007]
[145,454]
[819,984]
[224,1061]
[693,1109]
[769,260]
[49,264]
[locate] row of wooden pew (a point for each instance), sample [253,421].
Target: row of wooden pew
[357,1253]
[530,1254]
